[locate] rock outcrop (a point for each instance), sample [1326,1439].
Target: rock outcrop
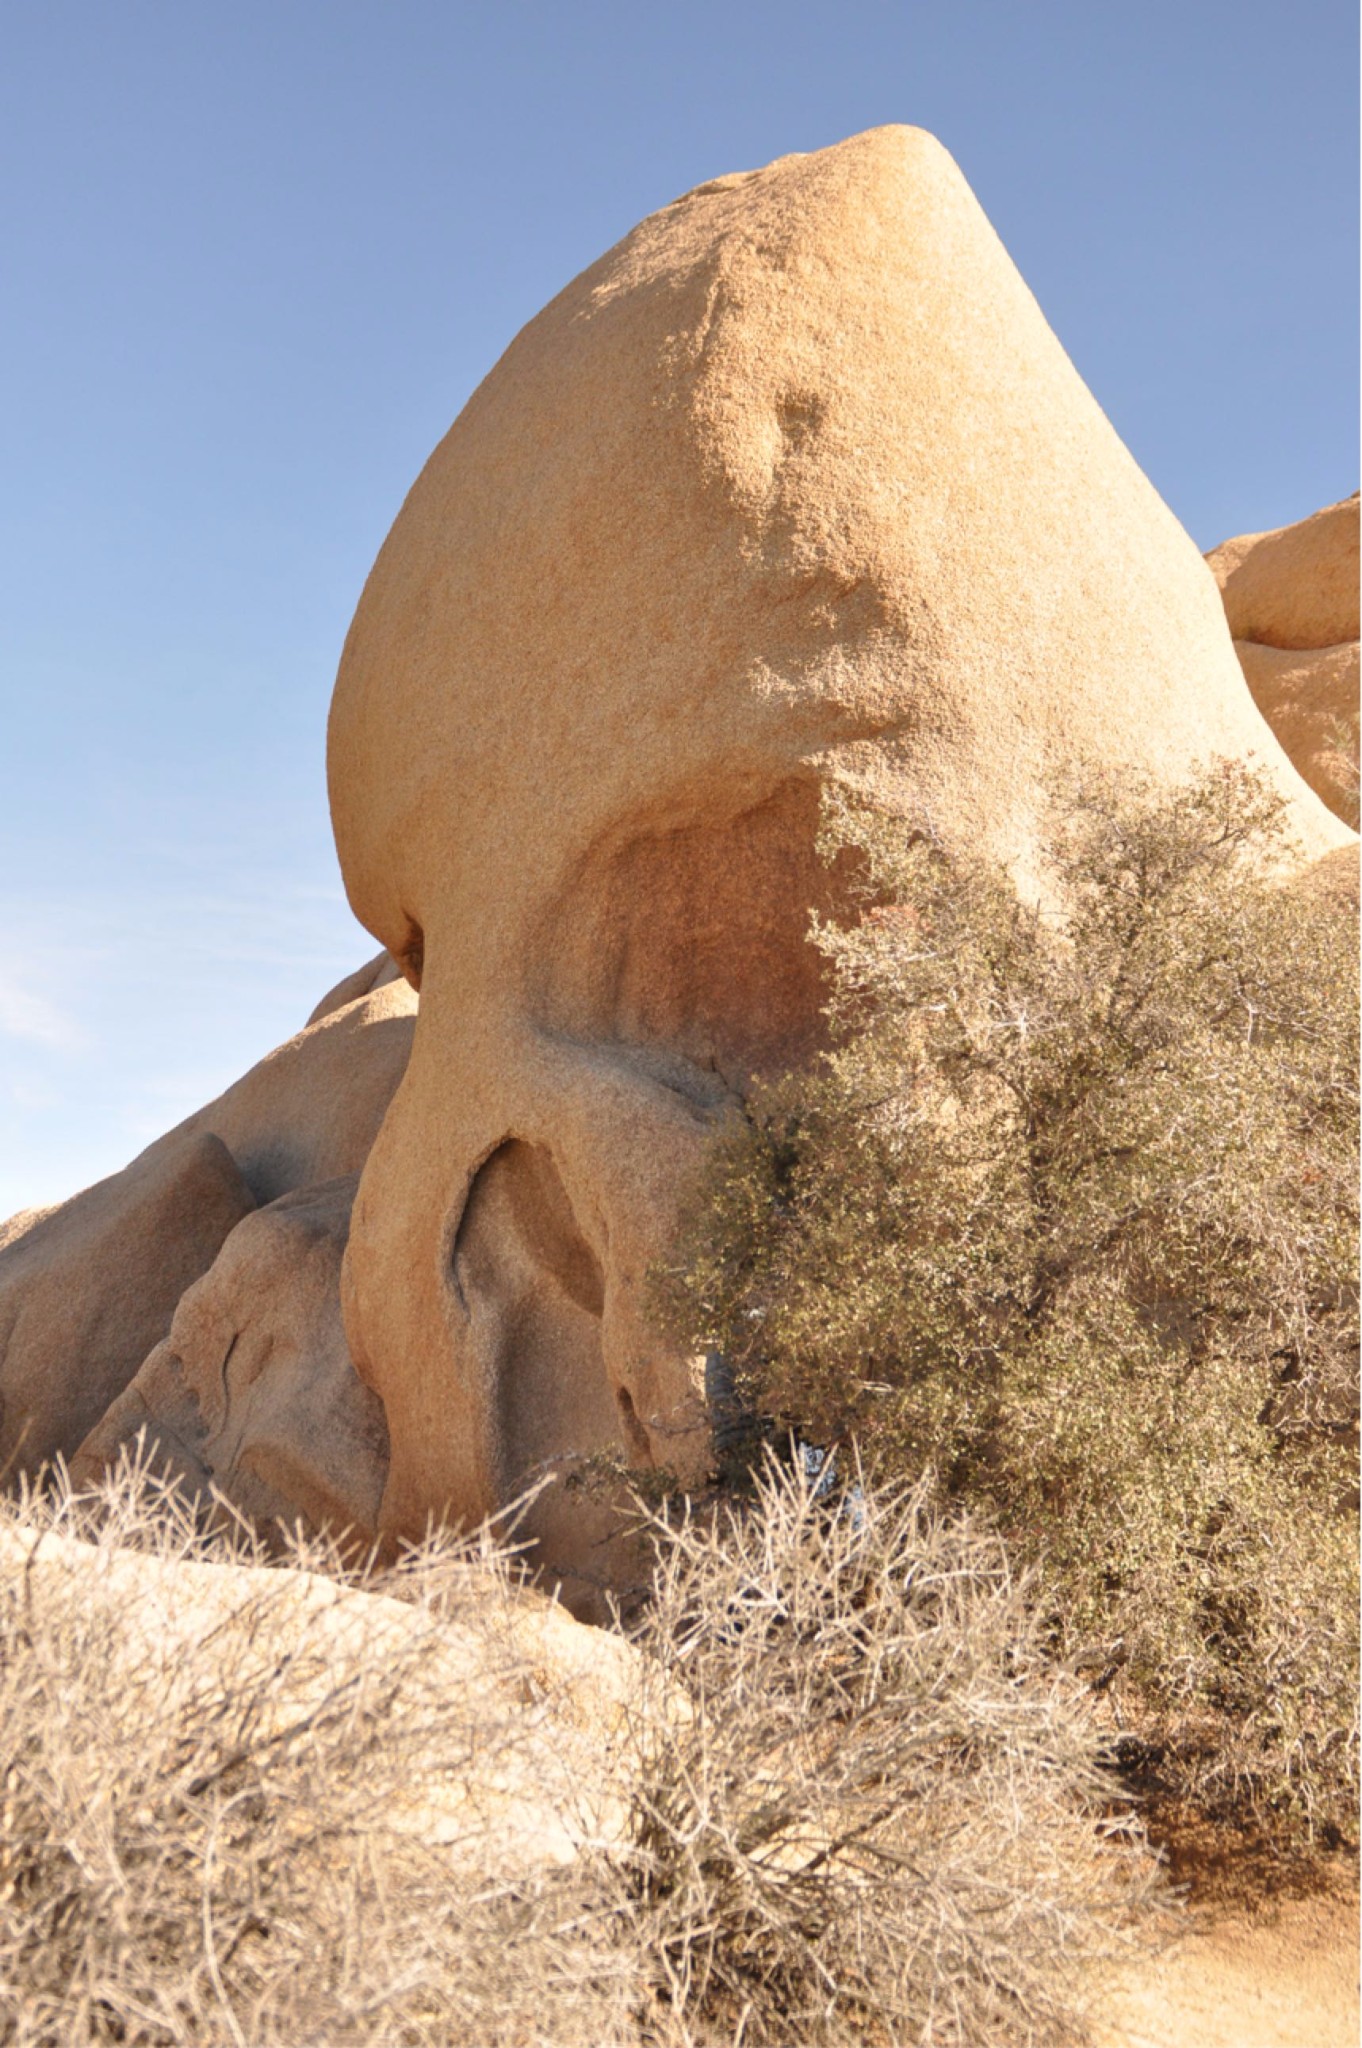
[252,1393]
[311,1109]
[1296,586]
[365,981]
[793,490]
[1291,600]
[795,487]
[89,1287]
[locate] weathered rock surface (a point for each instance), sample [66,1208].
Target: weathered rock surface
[374,974]
[1310,698]
[1291,599]
[310,1110]
[794,487]
[87,1288]
[253,1392]
[22,1222]
[1296,586]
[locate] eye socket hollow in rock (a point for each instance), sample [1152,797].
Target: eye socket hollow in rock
[535,1297]
[694,936]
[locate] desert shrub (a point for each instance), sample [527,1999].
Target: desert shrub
[1066,1217]
[873,1815]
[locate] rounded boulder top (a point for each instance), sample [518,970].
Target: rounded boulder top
[1296,587]
[795,479]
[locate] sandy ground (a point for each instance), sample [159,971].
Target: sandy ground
[1285,1976]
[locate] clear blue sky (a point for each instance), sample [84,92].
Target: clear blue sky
[256,253]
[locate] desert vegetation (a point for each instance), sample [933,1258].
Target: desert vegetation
[217,1845]
[1033,1305]
[847,1798]
[878,1815]
[1065,1219]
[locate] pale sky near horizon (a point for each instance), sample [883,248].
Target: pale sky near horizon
[256,256]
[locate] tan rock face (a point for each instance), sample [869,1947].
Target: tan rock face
[1297,586]
[374,974]
[89,1287]
[795,486]
[1291,599]
[253,1392]
[311,1109]
[1310,699]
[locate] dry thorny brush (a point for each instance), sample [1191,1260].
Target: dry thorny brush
[1067,1215]
[877,1817]
[848,1801]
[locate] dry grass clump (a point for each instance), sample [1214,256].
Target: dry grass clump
[234,1812]
[877,1819]
[207,1826]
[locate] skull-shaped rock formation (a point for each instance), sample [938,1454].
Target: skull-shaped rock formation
[795,486]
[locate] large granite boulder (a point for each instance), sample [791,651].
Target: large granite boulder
[87,1288]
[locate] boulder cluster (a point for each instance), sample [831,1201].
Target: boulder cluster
[195,1296]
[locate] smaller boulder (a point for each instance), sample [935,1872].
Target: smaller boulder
[311,1109]
[374,974]
[503,1718]
[1309,698]
[1291,602]
[1296,586]
[253,1393]
[87,1288]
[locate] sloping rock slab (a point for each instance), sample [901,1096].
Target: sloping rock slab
[506,1714]
[89,1287]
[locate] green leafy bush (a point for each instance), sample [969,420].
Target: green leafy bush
[1067,1217]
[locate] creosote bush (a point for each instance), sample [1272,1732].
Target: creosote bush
[1066,1217]
[843,1801]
